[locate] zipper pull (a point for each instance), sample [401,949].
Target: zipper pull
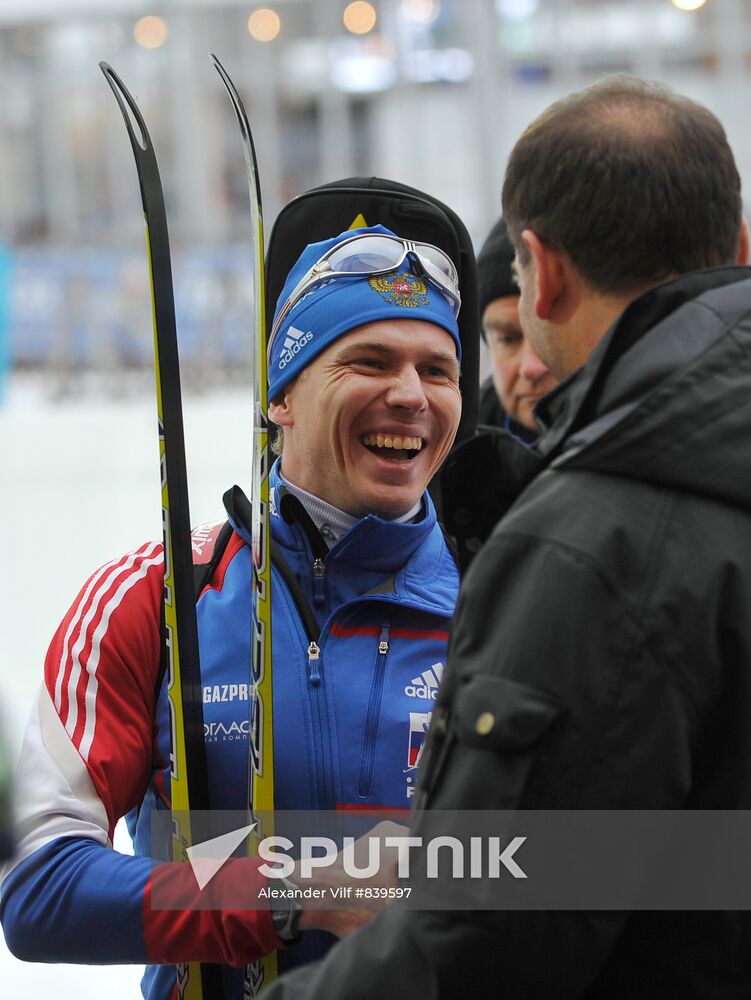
[383,644]
[314,655]
[319,572]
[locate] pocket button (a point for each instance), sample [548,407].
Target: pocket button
[485,723]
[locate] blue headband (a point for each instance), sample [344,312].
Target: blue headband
[340,304]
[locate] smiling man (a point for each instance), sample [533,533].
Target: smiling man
[364,381]
[364,372]
[372,418]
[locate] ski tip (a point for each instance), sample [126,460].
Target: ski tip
[133,118]
[234,96]
[109,73]
[222,72]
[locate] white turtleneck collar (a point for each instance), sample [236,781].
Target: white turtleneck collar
[333,523]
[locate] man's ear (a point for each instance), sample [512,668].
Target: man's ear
[744,243]
[550,273]
[280,408]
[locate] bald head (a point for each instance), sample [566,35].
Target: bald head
[632,181]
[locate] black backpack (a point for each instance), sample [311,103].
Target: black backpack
[365,201]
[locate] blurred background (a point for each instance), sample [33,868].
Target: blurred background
[429,92]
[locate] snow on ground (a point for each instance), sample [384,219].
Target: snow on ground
[79,484]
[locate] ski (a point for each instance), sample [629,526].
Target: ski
[261,775]
[179,647]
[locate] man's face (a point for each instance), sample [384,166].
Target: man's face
[562,349]
[520,378]
[371,419]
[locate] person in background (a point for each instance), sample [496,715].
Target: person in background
[475,485]
[519,378]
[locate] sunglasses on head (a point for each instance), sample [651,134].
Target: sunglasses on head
[375,254]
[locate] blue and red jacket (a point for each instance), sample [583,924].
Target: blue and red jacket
[348,727]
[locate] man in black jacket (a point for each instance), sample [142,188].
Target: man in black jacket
[601,649]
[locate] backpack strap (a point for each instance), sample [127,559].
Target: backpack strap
[204,570]
[207,555]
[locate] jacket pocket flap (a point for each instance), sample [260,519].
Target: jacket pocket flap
[501,714]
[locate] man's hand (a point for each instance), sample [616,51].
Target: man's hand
[344,921]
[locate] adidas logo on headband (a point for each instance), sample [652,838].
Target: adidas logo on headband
[293,344]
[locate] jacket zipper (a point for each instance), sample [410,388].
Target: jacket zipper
[320,727]
[319,576]
[293,512]
[373,715]
[314,656]
[320,708]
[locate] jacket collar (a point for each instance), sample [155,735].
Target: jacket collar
[575,402]
[372,543]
